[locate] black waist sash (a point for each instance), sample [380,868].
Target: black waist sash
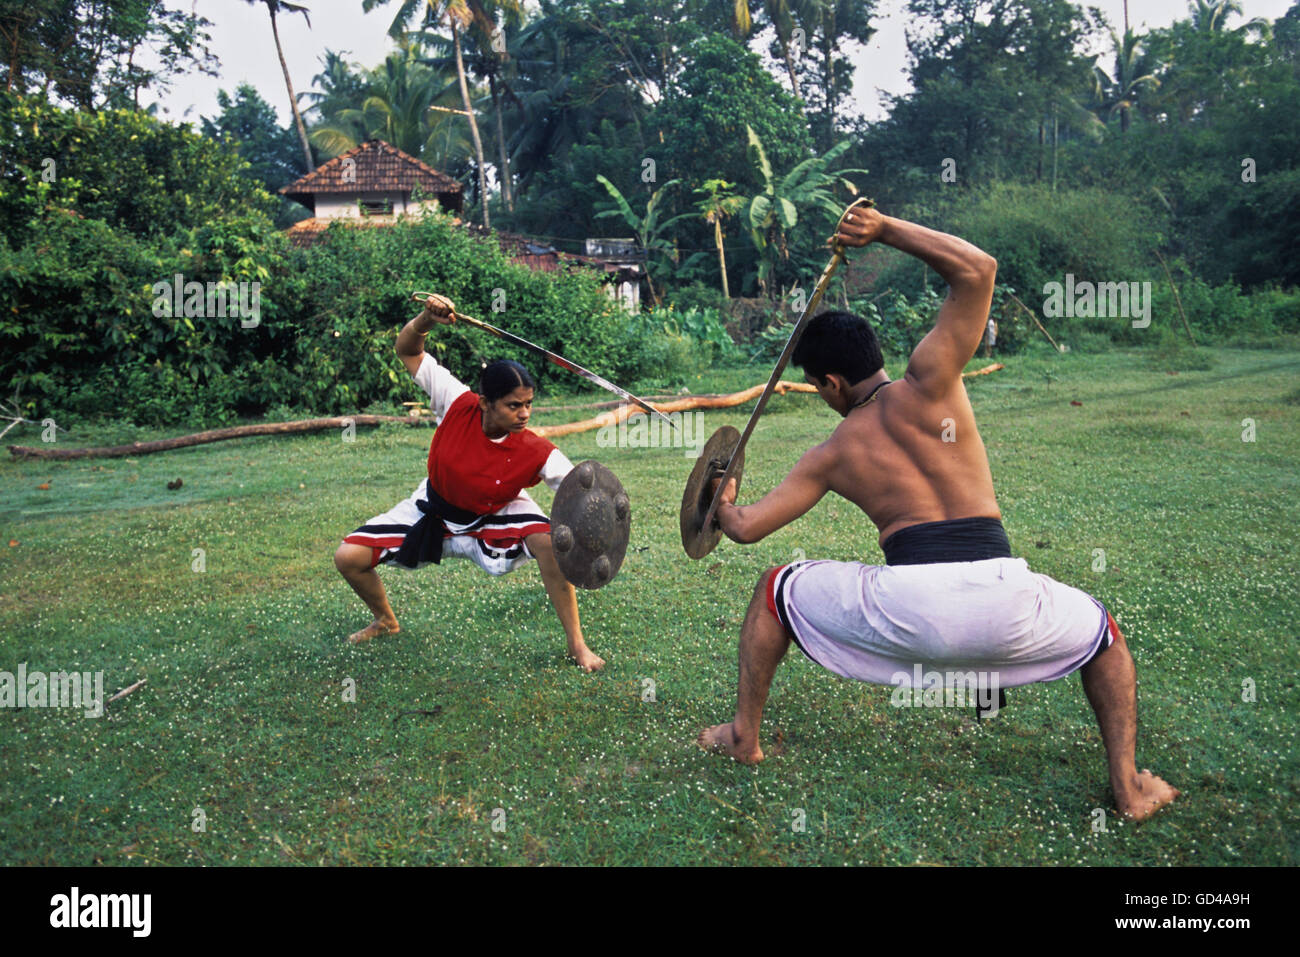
[953,540]
[423,541]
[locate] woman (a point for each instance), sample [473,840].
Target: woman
[472,504]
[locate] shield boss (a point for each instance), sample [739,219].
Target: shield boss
[591,520]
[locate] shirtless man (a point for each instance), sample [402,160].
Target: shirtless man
[950,596]
[473,504]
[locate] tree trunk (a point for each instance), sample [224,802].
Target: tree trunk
[293,100]
[507,193]
[1056,139]
[654,296]
[14,66]
[473,124]
[1038,174]
[789,68]
[722,256]
[829,67]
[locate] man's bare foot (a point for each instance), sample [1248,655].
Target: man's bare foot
[721,739]
[1148,795]
[586,659]
[375,629]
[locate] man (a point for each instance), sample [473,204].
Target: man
[472,504]
[950,596]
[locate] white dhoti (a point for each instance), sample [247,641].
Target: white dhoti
[878,622]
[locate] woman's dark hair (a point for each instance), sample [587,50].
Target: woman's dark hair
[498,379]
[839,342]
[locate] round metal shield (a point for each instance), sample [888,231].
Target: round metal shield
[591,520]
[696,539]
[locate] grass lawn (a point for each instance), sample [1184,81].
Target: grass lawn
[244,716]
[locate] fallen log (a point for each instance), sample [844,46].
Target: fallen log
[626,409]
[612,417]
[687,402]
[212,435]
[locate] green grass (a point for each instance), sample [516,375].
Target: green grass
[243,715]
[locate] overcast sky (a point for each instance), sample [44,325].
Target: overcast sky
[241,39]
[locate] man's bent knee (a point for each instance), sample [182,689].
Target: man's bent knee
[765,582]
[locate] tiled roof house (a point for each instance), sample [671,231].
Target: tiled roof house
[374,182]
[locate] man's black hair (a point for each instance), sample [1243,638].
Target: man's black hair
[498,379]
[839,342]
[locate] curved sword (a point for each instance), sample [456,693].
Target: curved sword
[558,360]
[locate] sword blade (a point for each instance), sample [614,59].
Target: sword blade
[775,377]
[564,363]
[558,360]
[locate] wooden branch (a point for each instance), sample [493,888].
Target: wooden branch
[626,409]
[1177,299]
[687,402]
[126,691]
[1034,316]
[212,435]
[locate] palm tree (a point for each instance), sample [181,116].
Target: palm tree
[1120,93]
[1210,16]
[717,204]
[459,14]
[489,52]
[337,83]
[404,102]
[274,7]
[785,16]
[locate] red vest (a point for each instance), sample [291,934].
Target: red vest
[471,471]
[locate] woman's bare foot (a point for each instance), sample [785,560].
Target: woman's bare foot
[373,630]
[586,659]
[1147,795]
[722,739]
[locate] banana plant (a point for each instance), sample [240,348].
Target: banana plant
[648,229]
[775,211]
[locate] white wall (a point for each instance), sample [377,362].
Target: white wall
[336,205]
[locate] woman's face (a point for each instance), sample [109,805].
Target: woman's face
[508,414]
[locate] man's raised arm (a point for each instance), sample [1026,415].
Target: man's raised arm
[969,272]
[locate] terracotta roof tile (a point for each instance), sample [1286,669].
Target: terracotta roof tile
[376,167]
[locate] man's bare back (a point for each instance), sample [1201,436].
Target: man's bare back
[904,458]
[907,452]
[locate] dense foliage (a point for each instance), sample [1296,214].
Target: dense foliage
[720,135]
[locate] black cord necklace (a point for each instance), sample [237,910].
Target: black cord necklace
[870,395]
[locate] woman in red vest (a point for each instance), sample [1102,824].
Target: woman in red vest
[472,504]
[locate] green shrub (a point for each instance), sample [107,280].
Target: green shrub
[348,296]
